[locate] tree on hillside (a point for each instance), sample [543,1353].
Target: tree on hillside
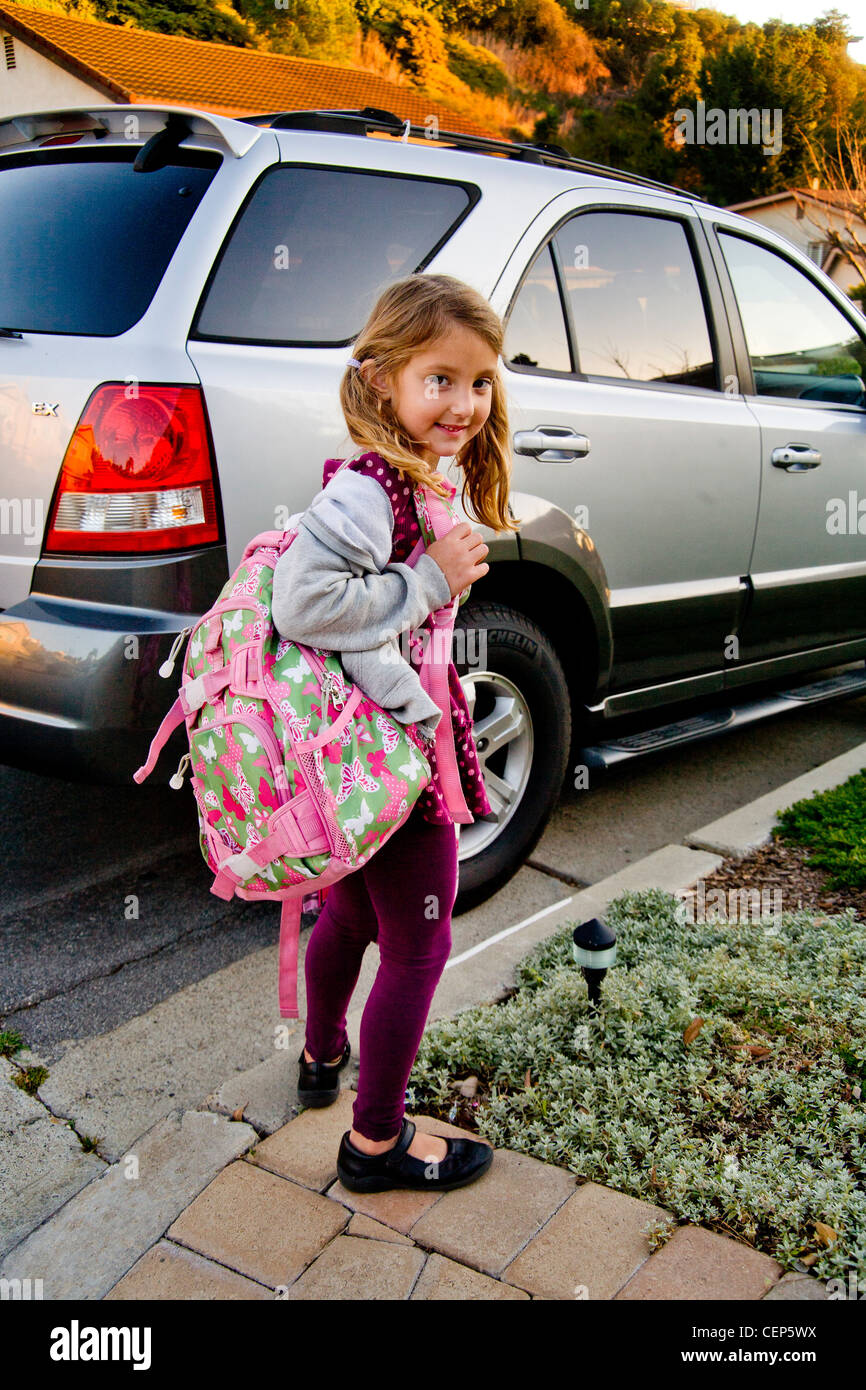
[321,29]
[768,77]
[466,14]
[798,78]
[631,31]
[411,32]
[605,79]
[545,53]
[193,19]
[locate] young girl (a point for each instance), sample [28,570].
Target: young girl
[422,386]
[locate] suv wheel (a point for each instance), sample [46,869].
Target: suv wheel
[519,702]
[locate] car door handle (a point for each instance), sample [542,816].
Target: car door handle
[551,444]
[795,458]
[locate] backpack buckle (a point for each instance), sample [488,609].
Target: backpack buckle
[193,695]
[246,668]
[241,866]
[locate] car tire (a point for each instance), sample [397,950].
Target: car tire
[509,670]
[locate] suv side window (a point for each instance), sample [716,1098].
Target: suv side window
[536,335]
[799,343]
[313,248]
[635,300]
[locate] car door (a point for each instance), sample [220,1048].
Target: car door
[618,370]
[802,365]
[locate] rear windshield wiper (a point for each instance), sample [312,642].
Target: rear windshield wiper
[9,333]
[162,144]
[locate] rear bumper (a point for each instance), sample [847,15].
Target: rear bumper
[80,692]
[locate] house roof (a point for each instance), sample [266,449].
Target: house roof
[832,196]
[137,65]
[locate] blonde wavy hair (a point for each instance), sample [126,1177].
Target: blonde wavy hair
[409,314]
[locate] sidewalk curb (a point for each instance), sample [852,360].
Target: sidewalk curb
[737,834]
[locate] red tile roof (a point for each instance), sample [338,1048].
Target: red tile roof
[136,65]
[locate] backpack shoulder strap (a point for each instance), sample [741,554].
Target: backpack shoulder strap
[290,930]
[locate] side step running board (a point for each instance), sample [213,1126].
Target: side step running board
[717,721]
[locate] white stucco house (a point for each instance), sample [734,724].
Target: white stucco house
[803,216]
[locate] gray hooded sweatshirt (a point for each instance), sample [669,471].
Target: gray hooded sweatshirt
[335,589]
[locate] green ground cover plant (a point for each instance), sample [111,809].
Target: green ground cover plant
[722,1077]
[834,823]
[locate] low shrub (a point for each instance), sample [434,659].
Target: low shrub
[755,1127]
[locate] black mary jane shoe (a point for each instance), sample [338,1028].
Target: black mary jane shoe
[319,1082]
[465,1160]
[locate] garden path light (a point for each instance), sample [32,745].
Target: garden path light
[594,950]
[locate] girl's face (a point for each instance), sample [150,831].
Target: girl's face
[443,394]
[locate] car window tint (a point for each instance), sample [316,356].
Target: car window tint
[535,335]
[799,343]
[86,239]
[635,300]
[313,249]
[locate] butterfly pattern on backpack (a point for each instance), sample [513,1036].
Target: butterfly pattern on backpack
[250,747]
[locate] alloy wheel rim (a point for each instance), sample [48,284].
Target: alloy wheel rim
[504,741]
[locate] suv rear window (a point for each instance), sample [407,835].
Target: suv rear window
[313,248]
[86,239]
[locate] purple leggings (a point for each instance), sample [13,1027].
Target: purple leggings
[402,899]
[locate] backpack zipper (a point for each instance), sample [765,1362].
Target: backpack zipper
[167,666]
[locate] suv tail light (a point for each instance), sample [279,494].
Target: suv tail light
[137,475]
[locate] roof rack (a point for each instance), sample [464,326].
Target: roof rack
[370,120]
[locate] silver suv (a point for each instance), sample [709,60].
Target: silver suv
[179,293]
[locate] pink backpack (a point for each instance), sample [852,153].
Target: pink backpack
[298,777]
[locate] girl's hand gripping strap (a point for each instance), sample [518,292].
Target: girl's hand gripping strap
[433,673]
